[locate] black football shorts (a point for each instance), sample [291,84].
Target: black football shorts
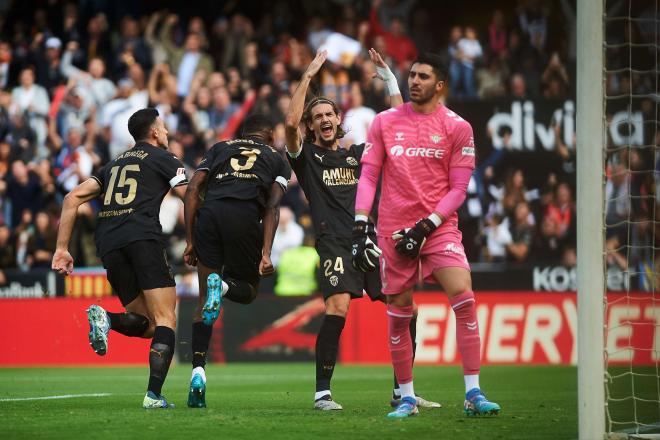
[229,238]
[337,274]
[140,265]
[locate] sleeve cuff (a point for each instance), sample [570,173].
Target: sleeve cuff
[282,181]
[177,180]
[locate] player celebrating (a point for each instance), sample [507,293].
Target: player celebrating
[426,155]
[245,180]
[328,175]
[130,243]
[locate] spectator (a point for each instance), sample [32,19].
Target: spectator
[497,34]
[357,119]
[492,80]
[397,43]
[522,233]
[41,244]
[7,252]
[533,20]
[92,83]
[32,100]
[47,62]
[518,87]
[132,47]
[289,235]
[8,67]
[562,212]
[498,237]
[23,191]
[186,61]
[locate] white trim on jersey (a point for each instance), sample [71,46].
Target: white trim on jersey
[297,153]
[174,181]
[282,181]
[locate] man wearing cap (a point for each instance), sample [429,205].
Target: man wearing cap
[46,61]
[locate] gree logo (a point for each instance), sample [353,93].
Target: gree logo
[433,153]
[396,150]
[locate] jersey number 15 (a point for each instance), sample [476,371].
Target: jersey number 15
[124,181]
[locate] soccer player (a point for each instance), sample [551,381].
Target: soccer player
[244,181]
[329,175]
[425,154]
[130,243]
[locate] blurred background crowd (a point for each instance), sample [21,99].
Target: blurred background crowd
[71,73]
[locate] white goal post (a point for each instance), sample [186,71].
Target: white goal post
[590,221]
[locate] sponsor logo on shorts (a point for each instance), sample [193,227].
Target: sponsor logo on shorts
[467,151]
[454,249]
[351,161]
[334,280]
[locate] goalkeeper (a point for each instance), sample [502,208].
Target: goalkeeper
[425,153]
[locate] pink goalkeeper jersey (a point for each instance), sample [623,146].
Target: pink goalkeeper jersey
[416,152]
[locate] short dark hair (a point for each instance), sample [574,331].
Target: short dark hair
[256,123]
[435,61]
[141,121]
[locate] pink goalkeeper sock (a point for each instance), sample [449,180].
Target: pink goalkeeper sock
[400,343]
[467,331]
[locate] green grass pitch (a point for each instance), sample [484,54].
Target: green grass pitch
[274,401]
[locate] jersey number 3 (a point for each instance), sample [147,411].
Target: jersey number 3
[251,155]
[124,181]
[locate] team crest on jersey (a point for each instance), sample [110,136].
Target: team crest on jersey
[435,138]
[351,161]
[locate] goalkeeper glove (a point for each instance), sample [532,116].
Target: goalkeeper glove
[365,252]
[409,241]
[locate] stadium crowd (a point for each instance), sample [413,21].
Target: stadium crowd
[70,79]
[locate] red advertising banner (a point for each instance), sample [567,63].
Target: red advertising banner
[515,328]
[54,332]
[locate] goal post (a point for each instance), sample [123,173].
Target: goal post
[590,219]
[618,218]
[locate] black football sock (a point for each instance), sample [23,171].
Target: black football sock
[413,336]
[239,291]
[128,323]
[201,336]
[160,356]
[327,346]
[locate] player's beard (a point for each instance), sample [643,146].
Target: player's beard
[423,98]
[327,143]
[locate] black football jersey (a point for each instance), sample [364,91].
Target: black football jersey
[329,179]
[243,169]
[133,186]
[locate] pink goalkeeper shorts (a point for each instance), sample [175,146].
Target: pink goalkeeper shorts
[399,273]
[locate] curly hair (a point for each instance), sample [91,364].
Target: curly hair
[307,118]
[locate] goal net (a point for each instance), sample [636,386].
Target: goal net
[631,158]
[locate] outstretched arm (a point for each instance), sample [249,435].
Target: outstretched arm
[271,221]
[297,105]
[190,205]
[86,191]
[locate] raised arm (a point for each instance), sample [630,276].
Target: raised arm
[86,191]
[190,206]
[384,73]
[297,105]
